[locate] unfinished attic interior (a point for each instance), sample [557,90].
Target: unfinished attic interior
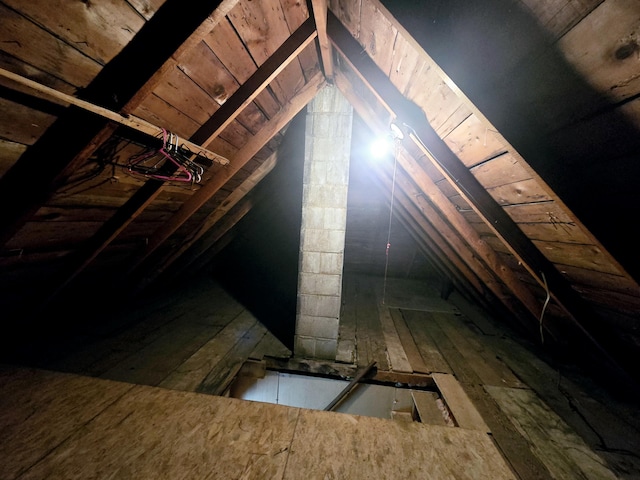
[211,267]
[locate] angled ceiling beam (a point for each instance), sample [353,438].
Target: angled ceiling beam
[246,153]
[320,9]
[74,136]
[255,84]
[479,247]
[228,112]
[210,222]
[437,151]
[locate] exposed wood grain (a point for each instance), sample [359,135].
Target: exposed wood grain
[52,55]
[153,363]
[241,158]
[368,328]
[417,323]
[585,256]
[566,456]
[228,47]
[296,12]
[490,369]
[99,29]
[9,153]
[524,191]
[427,408]
[270,346]
[500,170]
[215,216]
[320,17]
[346,349]
[397,357]
[21,124]
[464,412]
[474,141]
[408,344]
[221,376]
[378,34]
[212,425]
[603,47]
[190,374]
[146,8]
[263,29]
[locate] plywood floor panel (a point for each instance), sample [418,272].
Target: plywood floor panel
[124,431]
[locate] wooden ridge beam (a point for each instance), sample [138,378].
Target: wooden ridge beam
[74,136]
[320,9]
[468,186]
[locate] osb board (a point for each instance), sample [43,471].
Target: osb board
[39,410]
[328,445]
[113,430]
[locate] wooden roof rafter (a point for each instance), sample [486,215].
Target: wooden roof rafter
[117,87]
[422,134]
[276,63]
[222,118]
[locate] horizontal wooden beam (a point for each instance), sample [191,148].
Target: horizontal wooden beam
[77,134]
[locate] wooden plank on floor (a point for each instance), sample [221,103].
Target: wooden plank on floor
[599,418]
[512,444]
[489,368]
[194,370]
[368,328]
[427,407]
[397,357]
[155,362]
[556,445]
[329,445]
[409,345]
[270,346]
[464,412]
[419,325]
[222,374]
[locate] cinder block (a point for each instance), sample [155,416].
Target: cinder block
[326,349]
[331,263]
[313,217]
[318,327]
[304,346]
[311,262]
[319,305]
[319,284]
[335,218]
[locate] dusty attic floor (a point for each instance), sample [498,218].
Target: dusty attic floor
[541,420]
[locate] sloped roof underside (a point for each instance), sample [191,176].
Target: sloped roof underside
[516,177]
